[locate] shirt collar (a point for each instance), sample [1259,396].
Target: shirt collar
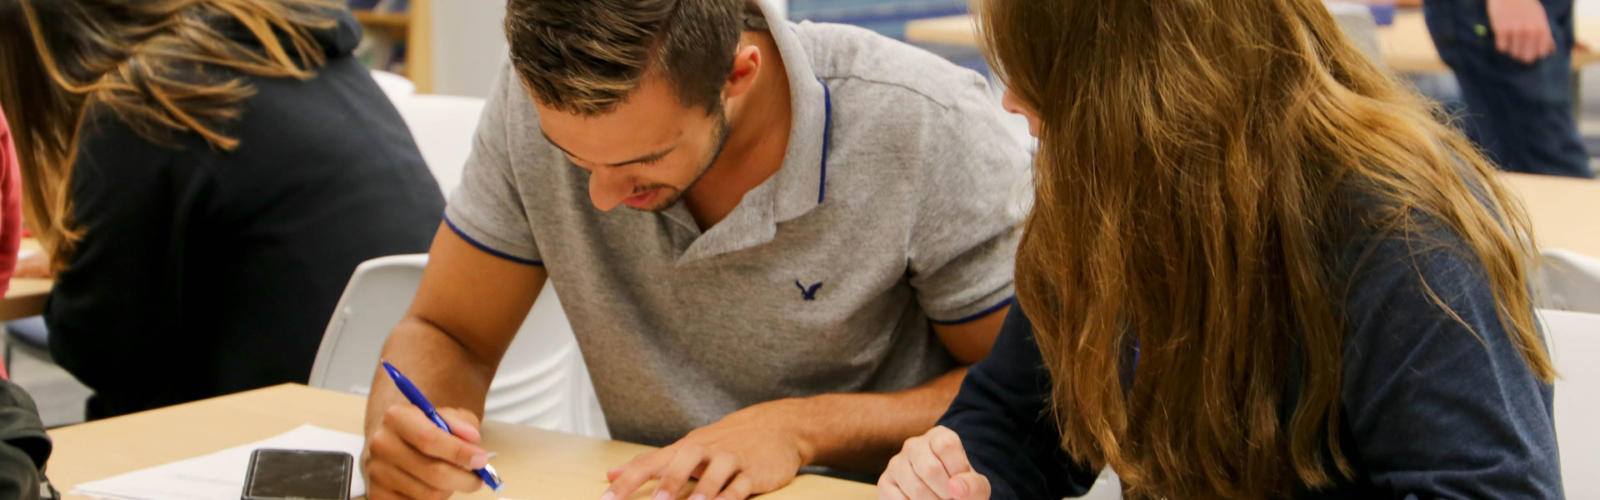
[800,183]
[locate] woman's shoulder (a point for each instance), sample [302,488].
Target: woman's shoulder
[1435,382]
[115,148]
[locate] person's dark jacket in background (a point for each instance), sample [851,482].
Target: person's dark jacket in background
[1521,114]
[24,446]
[1429,408]
[203,272]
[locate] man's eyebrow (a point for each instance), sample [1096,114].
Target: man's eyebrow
[642,159]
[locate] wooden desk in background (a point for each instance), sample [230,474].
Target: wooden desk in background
[26,296]
[1408,48]
[1406,45]
[535,463]
[1565,211]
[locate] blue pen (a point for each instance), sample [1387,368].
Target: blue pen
[487,473]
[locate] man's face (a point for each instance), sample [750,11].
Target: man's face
[646,153]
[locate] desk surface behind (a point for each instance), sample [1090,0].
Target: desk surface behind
[27,295]
[535,463]
[1406,45]
[1565,211]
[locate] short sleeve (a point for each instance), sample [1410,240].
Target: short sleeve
[487,208]
[964,242]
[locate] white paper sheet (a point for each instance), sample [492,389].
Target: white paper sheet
[220,475]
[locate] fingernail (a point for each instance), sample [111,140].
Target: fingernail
[663,495]
[478,461]
[608,496]
[698,496]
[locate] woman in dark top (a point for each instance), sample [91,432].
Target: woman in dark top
[1256,267]
[205,176]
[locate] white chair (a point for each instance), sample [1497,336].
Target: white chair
[394,86]
[1574,339]
[443,127]
[1106,487]
[542,381]
[1569,281]
[1355,20]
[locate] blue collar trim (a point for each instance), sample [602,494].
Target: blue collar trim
[827,137]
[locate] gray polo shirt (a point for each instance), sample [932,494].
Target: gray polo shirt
[897,207]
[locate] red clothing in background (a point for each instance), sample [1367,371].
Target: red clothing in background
[10,206]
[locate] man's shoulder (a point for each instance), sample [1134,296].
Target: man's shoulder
[882,69]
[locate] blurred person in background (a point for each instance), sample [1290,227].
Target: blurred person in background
[204,176]
[24,446]
[1513,60]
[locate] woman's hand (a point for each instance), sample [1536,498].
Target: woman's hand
[932,466]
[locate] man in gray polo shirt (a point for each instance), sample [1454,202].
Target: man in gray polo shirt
[819,237]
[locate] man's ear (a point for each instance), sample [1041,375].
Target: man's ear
[747,63]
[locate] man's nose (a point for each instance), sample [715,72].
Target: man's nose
[607,188]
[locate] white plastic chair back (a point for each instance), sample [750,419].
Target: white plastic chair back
[1569,281]
[542,381]
[443,127]
[1106,487]
[394,86]
[1355,20]
[1574,340]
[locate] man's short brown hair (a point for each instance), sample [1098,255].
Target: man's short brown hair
[587,56]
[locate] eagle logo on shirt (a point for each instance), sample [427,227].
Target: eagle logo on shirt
[808,293]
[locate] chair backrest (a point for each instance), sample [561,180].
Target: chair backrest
[542,381]
[1356,21]
[1569,281]
[1574,340]
[443,128]
[394,86]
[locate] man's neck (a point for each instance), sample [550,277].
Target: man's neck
[758,137]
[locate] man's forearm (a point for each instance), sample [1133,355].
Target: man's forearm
[441,367]
[862,431]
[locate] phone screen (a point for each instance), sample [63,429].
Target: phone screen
[298,474]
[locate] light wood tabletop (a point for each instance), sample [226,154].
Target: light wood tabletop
[951,30]
[1565,211]
[27,295]
[1405,44]
[535,463]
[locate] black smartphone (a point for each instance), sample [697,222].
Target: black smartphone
[298,475]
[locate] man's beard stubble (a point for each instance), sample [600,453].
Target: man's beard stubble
[721,133]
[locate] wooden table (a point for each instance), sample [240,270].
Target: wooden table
[26,296]
[1406,45]
[535,463]
[1565,211]
[952,30]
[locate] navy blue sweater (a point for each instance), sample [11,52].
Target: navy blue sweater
[1429,411]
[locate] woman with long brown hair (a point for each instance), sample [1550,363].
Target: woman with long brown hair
[204,175]
[1256,267]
